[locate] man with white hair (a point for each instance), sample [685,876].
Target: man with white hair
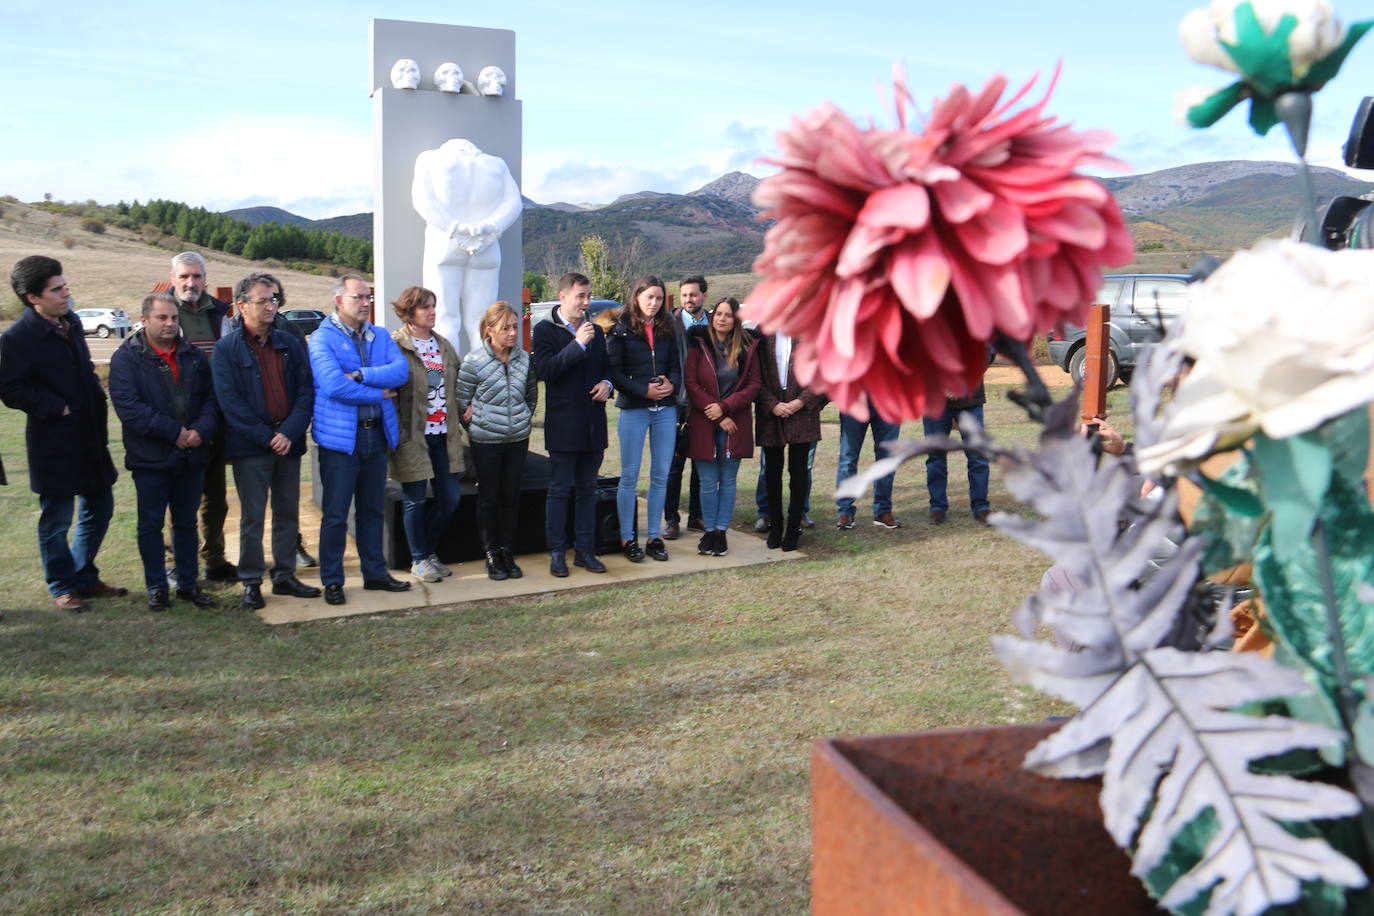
[202,318]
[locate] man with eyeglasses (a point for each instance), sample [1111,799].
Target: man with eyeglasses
[356,367]
[46,371]
[262,383]
[202,318]
[279,323]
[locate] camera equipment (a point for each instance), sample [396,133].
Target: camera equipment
[1347,222]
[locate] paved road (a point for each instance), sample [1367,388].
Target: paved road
[102,350]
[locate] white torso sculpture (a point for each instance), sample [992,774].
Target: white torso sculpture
[467,199]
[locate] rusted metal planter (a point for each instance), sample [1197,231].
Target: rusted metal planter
[947,822]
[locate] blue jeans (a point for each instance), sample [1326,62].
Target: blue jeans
[358,479]
[69,569]
[852,434]
[761,491]
[425,520]
[718,487]
[661,428]
[937,468]
[156,492]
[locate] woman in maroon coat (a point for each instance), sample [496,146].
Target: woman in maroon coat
[722,382]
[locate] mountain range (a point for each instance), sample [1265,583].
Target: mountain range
[1212,207]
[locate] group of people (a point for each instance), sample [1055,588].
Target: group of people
[200,394]
[695,384]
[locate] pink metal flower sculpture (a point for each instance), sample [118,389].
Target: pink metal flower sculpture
[899,254]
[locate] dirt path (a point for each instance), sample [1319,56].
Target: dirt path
[1052,376]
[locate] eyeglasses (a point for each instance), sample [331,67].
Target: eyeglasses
[261,302]
[366,297]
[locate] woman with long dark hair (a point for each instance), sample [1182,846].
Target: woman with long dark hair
[787,418]
[497,392]
[429,452]
[643,358]
[722,382]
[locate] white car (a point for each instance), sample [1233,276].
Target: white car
[104,322]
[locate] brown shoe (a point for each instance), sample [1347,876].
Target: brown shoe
[845,521]
[937,516]
[886,521]
[696,524]
[671,531]
[101,590]
[70,602]
[982,515]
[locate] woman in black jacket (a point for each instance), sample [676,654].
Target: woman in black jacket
[645,370]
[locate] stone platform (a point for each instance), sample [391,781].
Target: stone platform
[469,581]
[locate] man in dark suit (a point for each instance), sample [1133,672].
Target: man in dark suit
[570,356]
[46,371]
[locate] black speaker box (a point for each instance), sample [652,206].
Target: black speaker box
[462,541]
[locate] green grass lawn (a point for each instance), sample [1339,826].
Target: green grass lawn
[633,749]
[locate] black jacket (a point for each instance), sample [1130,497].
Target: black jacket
[42,374]
[154,409]
[634,365]
[243,407]
[573,422]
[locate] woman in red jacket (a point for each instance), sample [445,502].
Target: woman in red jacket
[722,382]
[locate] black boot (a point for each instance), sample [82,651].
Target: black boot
[508,561]
[496,567]
[793,533]
[774,529]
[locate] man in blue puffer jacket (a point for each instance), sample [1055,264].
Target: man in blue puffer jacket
[357,367]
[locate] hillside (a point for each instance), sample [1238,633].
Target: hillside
[678,234]
[357,225]
[1175,215]
[118,267]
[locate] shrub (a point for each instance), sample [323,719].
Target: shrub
[91,224]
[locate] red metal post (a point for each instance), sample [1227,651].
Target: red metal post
[1095,364]
[525,318]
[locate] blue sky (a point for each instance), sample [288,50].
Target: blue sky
[264,103]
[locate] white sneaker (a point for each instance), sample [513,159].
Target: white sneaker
[424,572]
[438,567]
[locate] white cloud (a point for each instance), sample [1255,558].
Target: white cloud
[554,175]
[316,168]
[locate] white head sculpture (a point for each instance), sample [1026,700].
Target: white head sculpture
[405,74]
[491,81]
[449,77]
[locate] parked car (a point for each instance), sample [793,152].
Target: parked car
[1143,306]
[540,311]
[306,320]
[104,322]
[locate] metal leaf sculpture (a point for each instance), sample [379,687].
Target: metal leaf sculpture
[1157,724]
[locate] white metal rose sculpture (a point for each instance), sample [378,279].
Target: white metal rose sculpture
[1283,338]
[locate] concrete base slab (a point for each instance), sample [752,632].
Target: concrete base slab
[469,581]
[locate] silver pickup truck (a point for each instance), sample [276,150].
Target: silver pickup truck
[1142,307]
